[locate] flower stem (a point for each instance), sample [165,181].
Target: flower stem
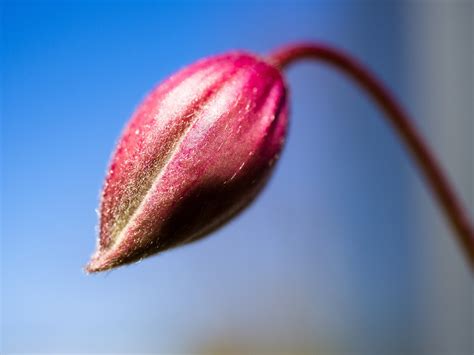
[422,155]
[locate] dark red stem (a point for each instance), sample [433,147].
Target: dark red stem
[402,123]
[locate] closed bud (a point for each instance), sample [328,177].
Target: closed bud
[197,151]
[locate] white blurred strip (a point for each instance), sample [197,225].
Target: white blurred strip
[441,40]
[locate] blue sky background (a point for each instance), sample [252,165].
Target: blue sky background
[324,259]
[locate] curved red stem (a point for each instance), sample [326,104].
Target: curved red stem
[402,123]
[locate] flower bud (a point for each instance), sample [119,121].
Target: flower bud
[197,151]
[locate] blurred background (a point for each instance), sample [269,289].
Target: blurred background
[344,252]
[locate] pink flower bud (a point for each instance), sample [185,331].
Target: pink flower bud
[195,153]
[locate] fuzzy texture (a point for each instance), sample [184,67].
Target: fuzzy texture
[196,151]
